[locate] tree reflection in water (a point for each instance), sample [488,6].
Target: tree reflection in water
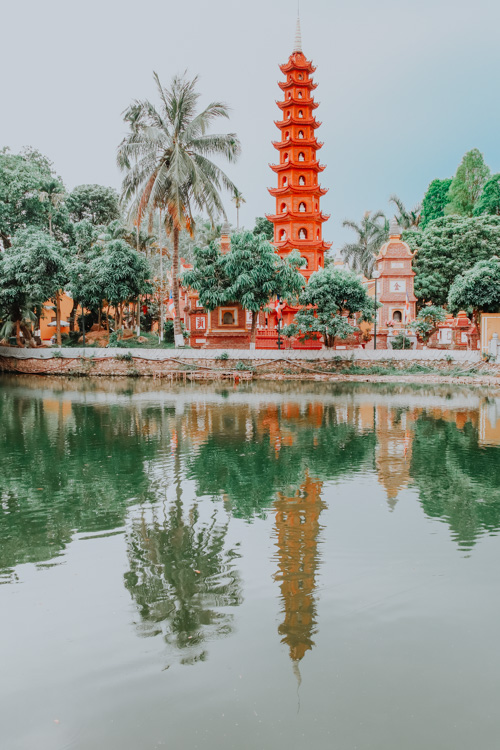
[67,467]
[458,481]
[182,578]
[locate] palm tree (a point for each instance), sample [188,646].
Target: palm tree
[165,157]
[238,201]
[407,219]
[372,232]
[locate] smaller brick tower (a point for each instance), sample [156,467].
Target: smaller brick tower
[395,283]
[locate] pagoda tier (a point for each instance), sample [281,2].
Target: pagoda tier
[286,144]
[291,82]
[298,190]
[287,214]
[280,124]
[298,218]
[298,164]
[300,101]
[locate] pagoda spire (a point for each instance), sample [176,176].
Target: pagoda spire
[297,45]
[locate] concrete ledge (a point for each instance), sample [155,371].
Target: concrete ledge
[159,355]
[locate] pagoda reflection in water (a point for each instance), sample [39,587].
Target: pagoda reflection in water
[297,529]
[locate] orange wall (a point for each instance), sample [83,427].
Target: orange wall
[47,331]
[490,324]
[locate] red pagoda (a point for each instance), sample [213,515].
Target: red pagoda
[298,219]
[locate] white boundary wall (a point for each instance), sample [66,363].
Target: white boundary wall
[158,355]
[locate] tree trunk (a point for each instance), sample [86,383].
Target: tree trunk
[5,241]
[72,316]
[58,317]
[99,318]
[18,332]
[179,338]
[253,329]
[138,318]
[27,335]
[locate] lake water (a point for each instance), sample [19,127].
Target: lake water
[263,566]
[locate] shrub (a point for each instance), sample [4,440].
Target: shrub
[243,366]
[223,357]
[127,357]
[401,342]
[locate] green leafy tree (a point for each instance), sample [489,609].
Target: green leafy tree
[166,160]
[265,227]
[489,202]
[122,274]
[468,184]
[26,180]
[331,296]
[435,201]
[426,322]
[94,203]
[448,247]
[85,280]
[252,273]
[478,289]
[33,270]
[407,218]
[372,232]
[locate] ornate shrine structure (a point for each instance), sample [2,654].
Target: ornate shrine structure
[298,219]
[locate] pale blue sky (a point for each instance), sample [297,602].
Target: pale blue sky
[404,88]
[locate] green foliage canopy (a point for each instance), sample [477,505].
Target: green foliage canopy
[427,321]
[328,298]
[25,182]
[252,273]
[265,227]
[468,184]
[32,271]
[478,288]
[95,203]
[122,272]
[448,247]
[489,202]
[435,201]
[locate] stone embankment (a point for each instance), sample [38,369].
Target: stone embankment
[190,364]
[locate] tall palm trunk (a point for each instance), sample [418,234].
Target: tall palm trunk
[179,338]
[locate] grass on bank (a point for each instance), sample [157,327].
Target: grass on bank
[151,342]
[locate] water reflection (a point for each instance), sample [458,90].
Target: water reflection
[182,578]
[296,529]
[77,459]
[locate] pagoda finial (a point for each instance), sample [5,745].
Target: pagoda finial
[297,47]
[394,228]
